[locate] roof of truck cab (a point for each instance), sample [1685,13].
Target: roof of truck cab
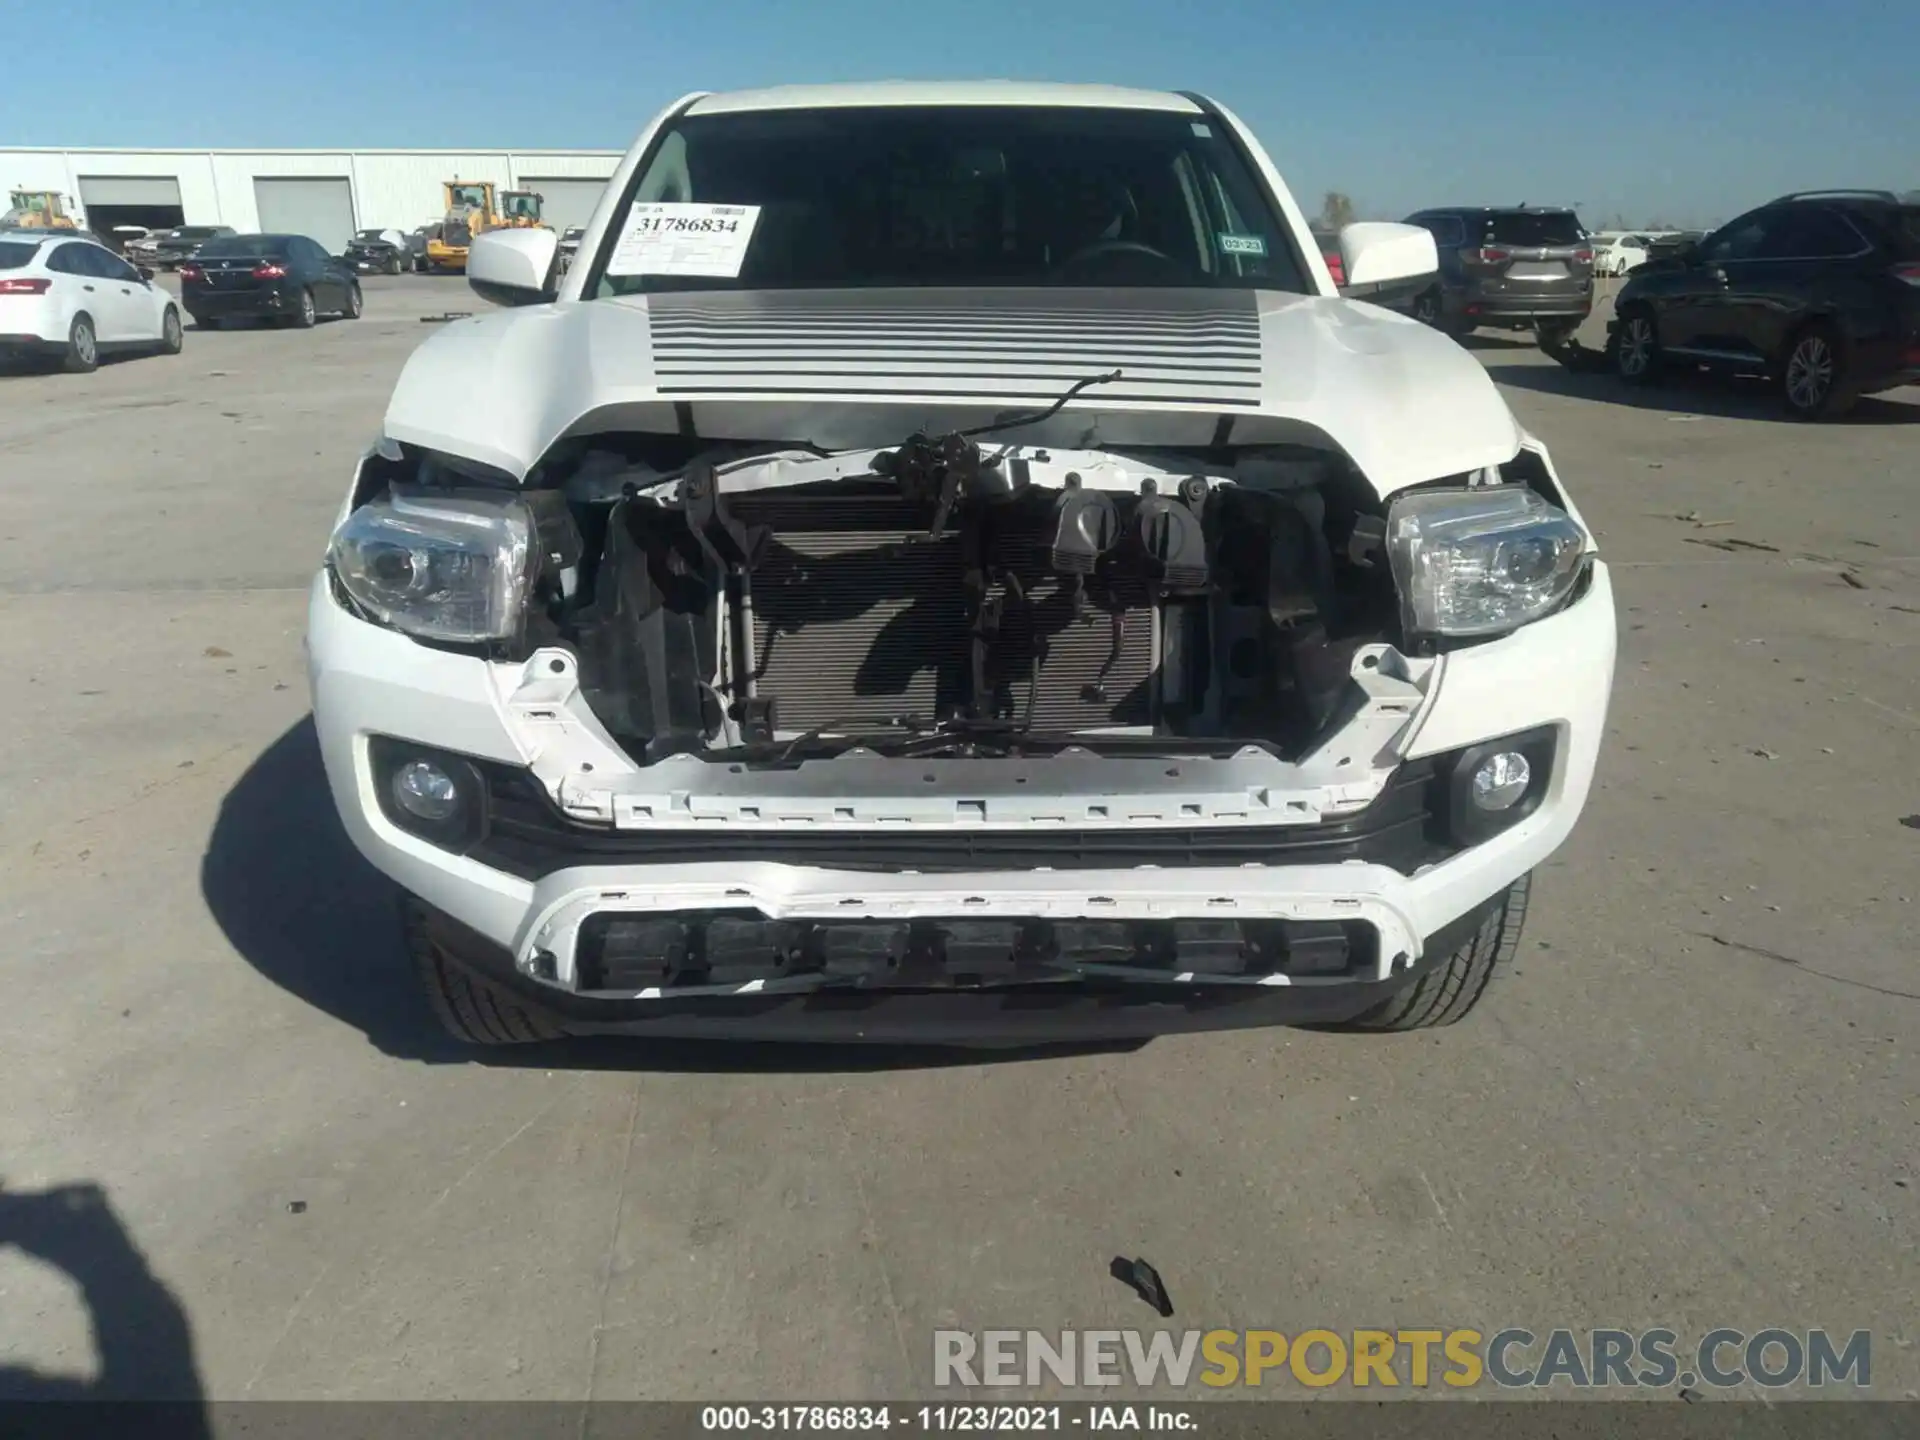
[941,92]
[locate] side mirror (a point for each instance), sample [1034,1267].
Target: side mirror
[1377,254]
[513,267]
[146,271]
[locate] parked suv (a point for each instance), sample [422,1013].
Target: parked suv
[1819,291]
[1518,268]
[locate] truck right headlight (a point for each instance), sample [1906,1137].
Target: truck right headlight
[453,566]
[1480,561]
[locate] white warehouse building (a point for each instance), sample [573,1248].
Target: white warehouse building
[327,194]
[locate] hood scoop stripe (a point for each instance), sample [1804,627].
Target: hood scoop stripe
[1172,347]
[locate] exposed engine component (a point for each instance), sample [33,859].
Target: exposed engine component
[946,593]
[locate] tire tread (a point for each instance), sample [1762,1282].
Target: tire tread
[467,1007]
[1453,986]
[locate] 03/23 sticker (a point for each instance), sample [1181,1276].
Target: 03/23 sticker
[679,238]
[1241,244]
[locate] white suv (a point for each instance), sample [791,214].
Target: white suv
[946,564]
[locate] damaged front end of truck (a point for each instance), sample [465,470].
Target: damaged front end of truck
[1101,697]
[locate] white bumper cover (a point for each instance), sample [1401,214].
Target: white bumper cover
[368,681]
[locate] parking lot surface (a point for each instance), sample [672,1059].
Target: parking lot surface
[1695,1104]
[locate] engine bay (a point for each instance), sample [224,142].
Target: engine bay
[945,598]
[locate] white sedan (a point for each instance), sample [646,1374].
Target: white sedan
[69,298]
[1620,254]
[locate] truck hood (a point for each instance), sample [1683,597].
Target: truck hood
[844,369]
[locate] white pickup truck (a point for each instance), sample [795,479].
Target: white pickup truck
[945,563]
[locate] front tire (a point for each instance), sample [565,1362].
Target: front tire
[467,1007]
[83,347]
[1813,379]
[1634,347]
[1453,984]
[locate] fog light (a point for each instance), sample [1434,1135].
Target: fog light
[1496,784]
[1500,780]
[426,792]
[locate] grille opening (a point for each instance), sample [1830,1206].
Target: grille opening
[627,953]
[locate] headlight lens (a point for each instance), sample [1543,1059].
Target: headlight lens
[451,566]
[1480,561]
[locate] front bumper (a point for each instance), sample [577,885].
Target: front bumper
[370,682]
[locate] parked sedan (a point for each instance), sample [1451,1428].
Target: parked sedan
[1617,254]
[70,299]
[381,251]
[171,249]
[286,278]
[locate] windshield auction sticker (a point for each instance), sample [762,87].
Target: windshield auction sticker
[664,238]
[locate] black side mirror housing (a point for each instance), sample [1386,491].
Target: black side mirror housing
[146,272]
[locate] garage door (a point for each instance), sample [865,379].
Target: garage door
[566,201]
[162,190]
[321,209]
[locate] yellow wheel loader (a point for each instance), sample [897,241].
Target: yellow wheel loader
[37,210]
[473,208]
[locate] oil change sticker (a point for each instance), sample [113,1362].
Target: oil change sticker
[676,238]
[1241,244]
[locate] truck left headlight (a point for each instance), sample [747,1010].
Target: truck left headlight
[452,566]
[1480,561]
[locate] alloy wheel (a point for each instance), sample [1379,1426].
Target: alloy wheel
[1810,370]
[1636,346]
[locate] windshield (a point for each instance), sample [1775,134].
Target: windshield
[370,235]
[1532,227]
[243,246]
[466,196]
[518,205]
[967,196]
[28,201]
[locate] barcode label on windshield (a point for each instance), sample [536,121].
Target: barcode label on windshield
[677,238]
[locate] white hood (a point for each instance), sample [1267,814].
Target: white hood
[842,369]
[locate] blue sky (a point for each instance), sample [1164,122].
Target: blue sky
[1685,111]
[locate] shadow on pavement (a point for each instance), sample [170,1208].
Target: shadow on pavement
[1687,394]
[140,1330]
[302,907]
[1498,340]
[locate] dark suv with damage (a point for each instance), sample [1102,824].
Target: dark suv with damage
[1512,268]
